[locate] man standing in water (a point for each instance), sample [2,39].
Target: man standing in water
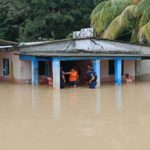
[62,79]
[91,77]
[73,77]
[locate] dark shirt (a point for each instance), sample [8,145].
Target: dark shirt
[90,75]
[61,75]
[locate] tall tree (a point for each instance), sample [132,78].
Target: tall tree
[122,19]
[30,20]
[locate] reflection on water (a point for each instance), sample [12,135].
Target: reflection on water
[33,99]
[56,104]
[118,97]
[98,100]
[111,117]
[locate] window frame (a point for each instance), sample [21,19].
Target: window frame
[111,71]
[6,61]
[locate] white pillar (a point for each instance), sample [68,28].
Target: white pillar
[97,69]
[56,73]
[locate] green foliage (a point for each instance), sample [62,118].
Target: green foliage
[144,33]
[98,8]
[70,35]
[30,20]
[107,12]
[118,17]
[123,22]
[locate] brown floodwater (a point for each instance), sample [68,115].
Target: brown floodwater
[108,118]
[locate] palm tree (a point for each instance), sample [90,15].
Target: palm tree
[114,18]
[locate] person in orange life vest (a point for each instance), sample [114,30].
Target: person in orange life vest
[73,77]
[79,73]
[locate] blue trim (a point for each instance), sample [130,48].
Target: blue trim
[23,57]
[29,58]
[44,59]
[94,58]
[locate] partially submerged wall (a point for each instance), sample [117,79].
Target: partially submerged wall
[20,71]
[143,70]
[129,67]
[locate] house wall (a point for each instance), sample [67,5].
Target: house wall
[7,55]
[143,71]
[20,71]
[129,67]
[105,72]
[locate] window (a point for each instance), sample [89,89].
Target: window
[44,68]
[41,68]
[6,68]
[112,67]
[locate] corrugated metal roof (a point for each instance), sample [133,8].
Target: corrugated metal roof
[26,44]
[33,43]
[7,43]
[79,47]
[3,47]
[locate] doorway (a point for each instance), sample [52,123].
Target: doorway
[81,66]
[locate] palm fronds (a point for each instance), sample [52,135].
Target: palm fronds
[114,17]
[97,9]
[121,23]
[111,9]
[144,32]
[134,36]
[144,5]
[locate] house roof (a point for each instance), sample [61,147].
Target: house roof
[79,47]
[7,44]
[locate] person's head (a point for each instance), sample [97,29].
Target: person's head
[126,75]
[72,69]
[75,68]
[90,67]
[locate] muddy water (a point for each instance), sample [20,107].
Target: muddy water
[109,118]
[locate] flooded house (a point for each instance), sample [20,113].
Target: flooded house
[34,62]
[110,59]
[12,69]
[7,59]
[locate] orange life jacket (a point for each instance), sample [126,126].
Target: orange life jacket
[73,76]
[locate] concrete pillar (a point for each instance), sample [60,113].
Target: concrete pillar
[56,73]
[96,66]
[118,71]
[35,80]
